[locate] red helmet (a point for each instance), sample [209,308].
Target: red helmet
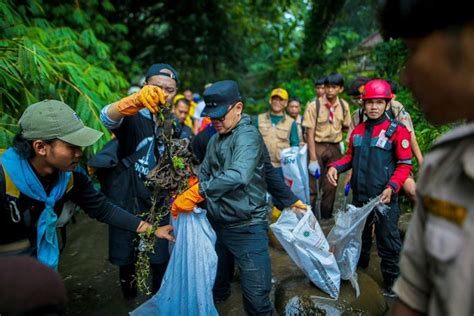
[377,89]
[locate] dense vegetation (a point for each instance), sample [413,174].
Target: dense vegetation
[87,53]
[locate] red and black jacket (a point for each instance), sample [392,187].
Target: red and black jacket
[379,154]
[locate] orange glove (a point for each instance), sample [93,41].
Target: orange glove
[186,201]
[299,204]
[150,97]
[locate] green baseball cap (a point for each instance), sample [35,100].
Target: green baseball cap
[51,119]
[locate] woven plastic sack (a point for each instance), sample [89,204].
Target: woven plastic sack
[345,238]
[304,241]
[294,164]
[187,284]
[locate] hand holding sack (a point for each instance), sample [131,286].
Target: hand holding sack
[186,201]
[150,97]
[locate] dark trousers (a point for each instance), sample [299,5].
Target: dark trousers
[388,240]
[249,246]
[326,153]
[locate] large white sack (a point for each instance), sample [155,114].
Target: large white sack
[304,241]
[294,165]
[345,238]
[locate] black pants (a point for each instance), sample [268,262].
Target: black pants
[388,240]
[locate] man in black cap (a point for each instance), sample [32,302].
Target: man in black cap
[131,121]
[232,181]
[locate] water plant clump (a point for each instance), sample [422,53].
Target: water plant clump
[168,179]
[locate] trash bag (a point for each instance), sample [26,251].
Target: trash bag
[294,162]
[187,284]
[304,241]
[345,238]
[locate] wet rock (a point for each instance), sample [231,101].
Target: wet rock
[296,295]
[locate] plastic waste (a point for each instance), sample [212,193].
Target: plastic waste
[187,284]
[294,162]
[304,241]
[345,238]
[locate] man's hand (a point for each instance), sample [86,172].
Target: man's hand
[332,176]
[165,232]
[386,195]
[299,207]
[314,167]
[186,201]
[150,97]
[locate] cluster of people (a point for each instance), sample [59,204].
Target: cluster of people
[239,164]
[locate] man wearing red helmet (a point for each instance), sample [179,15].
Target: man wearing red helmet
[379,154]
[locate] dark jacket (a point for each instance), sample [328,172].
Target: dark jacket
[83,193]
[379,154]
[232,176]
[276,186]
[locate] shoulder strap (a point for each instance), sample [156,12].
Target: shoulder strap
[392,128]
[3,188]
[318,107]
[361,115]
[345,107]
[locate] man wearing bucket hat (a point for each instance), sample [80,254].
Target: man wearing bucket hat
[137,150]
[232,181]
[39,175]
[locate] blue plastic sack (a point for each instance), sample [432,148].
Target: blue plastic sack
[187,284]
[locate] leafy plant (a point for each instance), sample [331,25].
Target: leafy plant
[39,60]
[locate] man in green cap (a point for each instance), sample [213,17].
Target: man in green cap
[39,175]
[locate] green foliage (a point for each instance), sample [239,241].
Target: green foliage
[40,60]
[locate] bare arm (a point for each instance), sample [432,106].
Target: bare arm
[416,149]
[311,144]
[401,309]
[113,112]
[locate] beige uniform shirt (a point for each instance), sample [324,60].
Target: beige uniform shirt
[324,131]
[437,261]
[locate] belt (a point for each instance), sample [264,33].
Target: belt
[15,246]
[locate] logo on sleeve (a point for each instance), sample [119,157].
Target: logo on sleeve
[405,144]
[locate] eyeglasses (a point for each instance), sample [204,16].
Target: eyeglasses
[169,90]
[222,118]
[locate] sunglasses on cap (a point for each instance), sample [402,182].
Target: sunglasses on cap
[222,118]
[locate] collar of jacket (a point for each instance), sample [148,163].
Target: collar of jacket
[244,120]
[381,119]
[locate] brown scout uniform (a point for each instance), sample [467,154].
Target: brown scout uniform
[327,137]
[437,275]
[275,137]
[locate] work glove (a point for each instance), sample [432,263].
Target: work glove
[299,207]
[314,168]
[150,97]
[299,204]
[186,201]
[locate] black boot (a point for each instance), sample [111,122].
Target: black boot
[127,283]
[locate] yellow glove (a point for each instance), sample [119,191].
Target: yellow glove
[150,97]
[299,204]
[186,201]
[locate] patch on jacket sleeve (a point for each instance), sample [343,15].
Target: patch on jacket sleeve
[405,143]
